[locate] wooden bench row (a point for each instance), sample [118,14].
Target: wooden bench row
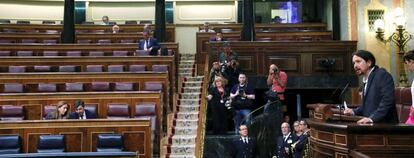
[34,103]
[170,28]
[52,38]
[138,78]
[81,135]
[83,61]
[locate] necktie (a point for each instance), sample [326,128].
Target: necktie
[246,141]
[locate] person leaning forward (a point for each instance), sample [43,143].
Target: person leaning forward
[378,99]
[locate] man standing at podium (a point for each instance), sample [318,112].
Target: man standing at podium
[378,100]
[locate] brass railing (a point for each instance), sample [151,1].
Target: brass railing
[202,114]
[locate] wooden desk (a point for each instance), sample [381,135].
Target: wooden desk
[338,136]
[81,135]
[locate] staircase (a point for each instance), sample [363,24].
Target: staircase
[183,122]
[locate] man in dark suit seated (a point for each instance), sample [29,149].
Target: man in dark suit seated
[244,146]
[284,142]
[81,113]
[218,37]
[149,44]
[378,99]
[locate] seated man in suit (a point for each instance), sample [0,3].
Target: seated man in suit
[284,142]
[149,44]
[105,20]
[80,112]
[378,103]
[206,28]
[218,37]
[244,146]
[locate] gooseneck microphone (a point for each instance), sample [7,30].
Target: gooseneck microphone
[341,98]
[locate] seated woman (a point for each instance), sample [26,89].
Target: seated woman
[60,113]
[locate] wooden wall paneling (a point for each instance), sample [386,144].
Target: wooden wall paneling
[297,58]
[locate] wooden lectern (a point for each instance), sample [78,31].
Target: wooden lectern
[338,136]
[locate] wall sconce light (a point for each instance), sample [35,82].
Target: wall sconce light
[400,37]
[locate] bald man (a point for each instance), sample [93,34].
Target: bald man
[285,141]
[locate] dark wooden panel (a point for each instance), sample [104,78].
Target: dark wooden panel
[371,140]
[287,63]
[297,58]
[74,140]
[398,140]
[247,63]
[322,62]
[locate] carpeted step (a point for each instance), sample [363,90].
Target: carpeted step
[193,84]
[181,149]
[185,61]
[188,108]
[187,115]
[189,101]
[194,95]
[182,140]
[189,65]
[187,57]
[185,123]
[190,74]
[181,156]
[184,130]
[191,90]
[195,78]
[186,70]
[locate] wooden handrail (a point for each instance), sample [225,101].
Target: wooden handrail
[202,114]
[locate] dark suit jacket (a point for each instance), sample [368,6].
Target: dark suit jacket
[243,150]
[281,144]
[151,43]
[89,115]
[215,39]
[301,142]
[378,103]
